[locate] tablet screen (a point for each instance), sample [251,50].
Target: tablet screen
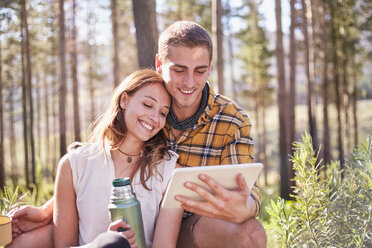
[225,175]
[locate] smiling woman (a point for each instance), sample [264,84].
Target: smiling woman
[127,141]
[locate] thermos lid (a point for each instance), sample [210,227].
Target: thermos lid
[119,182]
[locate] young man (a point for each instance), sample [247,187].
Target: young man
[204,129]
[207,129]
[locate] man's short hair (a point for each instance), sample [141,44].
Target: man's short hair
[184,33]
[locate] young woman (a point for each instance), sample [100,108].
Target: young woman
[127,141]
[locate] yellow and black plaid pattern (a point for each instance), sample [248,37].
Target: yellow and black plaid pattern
[221,136]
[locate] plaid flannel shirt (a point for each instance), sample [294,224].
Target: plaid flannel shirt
[221,136]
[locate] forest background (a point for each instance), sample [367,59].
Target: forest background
[293,65]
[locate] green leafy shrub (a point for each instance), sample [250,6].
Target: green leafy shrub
[331,207]
[10,200]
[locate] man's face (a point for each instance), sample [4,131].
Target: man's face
[185,71]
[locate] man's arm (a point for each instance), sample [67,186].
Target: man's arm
[230,205]
[28,218]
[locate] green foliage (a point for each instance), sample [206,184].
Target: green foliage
[282,220]
[10,200]
[35,195]
[331,207]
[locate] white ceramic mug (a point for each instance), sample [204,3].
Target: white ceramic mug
[5,230]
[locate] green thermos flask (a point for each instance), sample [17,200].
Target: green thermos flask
[124,205]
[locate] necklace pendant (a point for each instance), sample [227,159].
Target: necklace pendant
[129,159]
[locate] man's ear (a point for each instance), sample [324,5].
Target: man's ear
[209,69]
[123,100]
[158,63]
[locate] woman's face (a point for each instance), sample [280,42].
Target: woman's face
[146,111]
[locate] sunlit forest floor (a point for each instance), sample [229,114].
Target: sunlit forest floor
[271,190]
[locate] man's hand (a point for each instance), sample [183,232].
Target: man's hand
[128,234]
[28,218]
[230,205]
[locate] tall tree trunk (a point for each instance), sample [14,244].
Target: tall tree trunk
[354,100]
[24,101]
[12,140]
[326,135]
[62,80]
[258,123]
[29,90]
[285,182]
[144,12]
[2,165]
[264,141]
[38,115]
[53,90]
[91,60]
[48,161]
[345,96]
[91,84]
[292,77]
[218,42]
[75,83]
[115,42]
[310,82]
[55,118]
[337,83]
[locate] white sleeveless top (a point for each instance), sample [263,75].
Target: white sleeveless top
[92,178]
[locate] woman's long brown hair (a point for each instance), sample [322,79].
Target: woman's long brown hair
[111,125]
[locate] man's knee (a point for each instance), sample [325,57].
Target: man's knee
[110,240]
[252,232]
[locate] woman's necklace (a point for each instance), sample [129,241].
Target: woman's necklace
[130,155]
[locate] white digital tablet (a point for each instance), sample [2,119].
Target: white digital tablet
[225,175]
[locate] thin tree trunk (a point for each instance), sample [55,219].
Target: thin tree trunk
[75,83]
[91,84]
[257,124]
[12,140]
[337,84]
[218,42]
[354,100]
[62,80]
[55,131]
[48,161]
[310,82]
[2,165]
[115,41]
[38,116]
[313,56]
[29,91]
[24,102]
[345,96]
[91,58]
[292,77]
[326,135]
[54,101]
[285,183]
[264,141]
[144,12]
